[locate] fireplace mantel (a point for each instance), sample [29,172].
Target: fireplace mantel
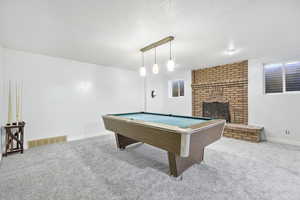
[220,83]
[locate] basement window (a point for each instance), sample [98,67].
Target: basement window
[282,77]
[292,76]
[274,78]
[176,88]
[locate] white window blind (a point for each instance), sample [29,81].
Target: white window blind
[273,78]
[292,76]
[283,77]
[181,87]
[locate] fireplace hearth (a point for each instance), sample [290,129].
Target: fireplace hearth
[216,110]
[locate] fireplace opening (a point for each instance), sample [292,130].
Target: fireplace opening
[216,110]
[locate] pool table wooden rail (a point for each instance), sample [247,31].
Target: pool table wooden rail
[161,126]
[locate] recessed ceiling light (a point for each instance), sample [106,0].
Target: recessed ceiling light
[231,49]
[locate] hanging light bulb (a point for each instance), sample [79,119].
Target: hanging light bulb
[171,63]
[143,68]
[155,68]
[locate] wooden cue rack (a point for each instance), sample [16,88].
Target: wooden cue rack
[14,138]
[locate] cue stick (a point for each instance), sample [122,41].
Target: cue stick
[145,94]
[9,104]
[21,99]
[17,102]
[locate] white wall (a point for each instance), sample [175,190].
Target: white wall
[1,97]
[276,112]
[163,103]
[1,85]
[155,82]
[65,97]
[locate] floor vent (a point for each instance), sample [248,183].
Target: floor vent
[45,141]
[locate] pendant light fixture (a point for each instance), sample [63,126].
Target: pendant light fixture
[155,68]
[171,63]
[143,68]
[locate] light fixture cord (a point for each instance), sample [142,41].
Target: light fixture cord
[155,55]
[170,51]
[143,59]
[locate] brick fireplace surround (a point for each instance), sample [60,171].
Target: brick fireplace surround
[226,83]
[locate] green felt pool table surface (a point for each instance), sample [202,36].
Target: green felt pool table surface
[174,120]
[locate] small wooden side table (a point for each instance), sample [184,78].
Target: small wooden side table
[14,138]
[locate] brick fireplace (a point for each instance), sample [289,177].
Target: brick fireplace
[223,84]
[222,92]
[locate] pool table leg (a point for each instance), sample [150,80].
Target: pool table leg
[179,164]
[123,141]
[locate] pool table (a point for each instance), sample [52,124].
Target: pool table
[183,137]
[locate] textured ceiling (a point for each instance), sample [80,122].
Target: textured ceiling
[112,32]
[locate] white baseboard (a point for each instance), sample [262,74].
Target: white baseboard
[283,141]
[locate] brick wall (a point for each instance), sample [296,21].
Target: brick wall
[225,83]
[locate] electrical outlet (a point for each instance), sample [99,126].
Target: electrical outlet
[287,132]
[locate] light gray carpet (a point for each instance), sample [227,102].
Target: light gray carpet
[93,169]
